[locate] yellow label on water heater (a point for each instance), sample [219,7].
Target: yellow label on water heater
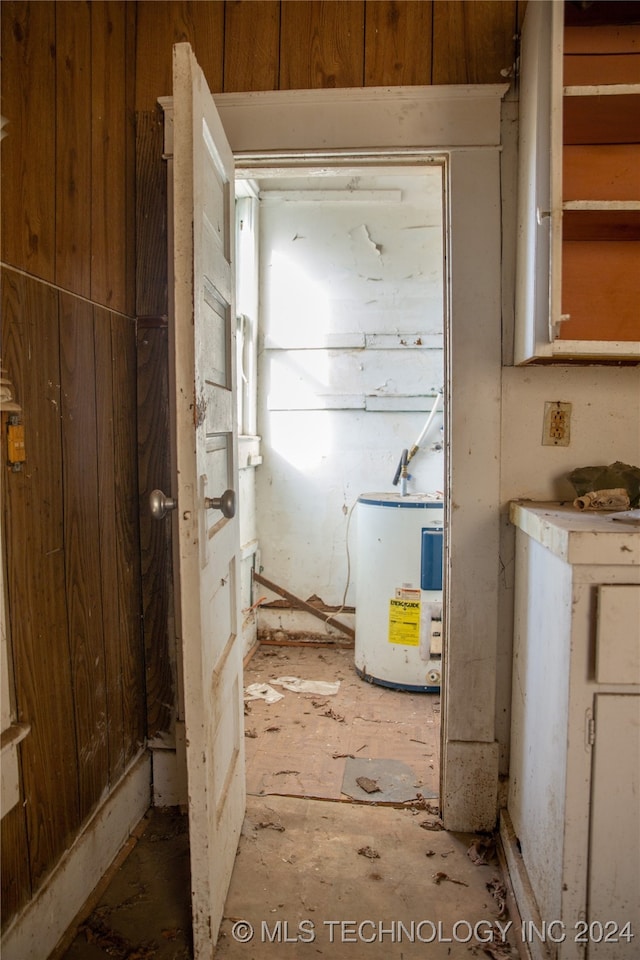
[404,622]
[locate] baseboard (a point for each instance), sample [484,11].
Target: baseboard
[170,772]
[35,932]
[517,877]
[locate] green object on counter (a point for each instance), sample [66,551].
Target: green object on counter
[587,479]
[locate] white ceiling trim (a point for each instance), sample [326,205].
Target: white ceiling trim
[376,118]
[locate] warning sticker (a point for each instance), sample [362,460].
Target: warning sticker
[407,593]
[404,622]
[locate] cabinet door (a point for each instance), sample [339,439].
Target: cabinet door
[539,181]
[614,854]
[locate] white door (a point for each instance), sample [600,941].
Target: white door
[206,446]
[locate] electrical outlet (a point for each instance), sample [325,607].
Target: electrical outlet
[557,422]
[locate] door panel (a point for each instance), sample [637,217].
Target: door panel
[614,870]
[206,461]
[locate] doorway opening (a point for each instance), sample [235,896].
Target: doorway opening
[342,307]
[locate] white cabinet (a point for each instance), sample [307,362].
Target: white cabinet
[578,256]
[574,779]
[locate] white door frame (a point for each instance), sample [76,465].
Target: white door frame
[275,129]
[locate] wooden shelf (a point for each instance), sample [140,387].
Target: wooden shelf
[600,290]
[578,274]
[601,183]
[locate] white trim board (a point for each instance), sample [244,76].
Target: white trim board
[326,130]
[350,119]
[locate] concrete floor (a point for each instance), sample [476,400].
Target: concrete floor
[314,876]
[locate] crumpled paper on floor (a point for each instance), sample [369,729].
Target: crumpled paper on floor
[616,499]
[322,687]
[262,691]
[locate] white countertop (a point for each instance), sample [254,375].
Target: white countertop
[578,536]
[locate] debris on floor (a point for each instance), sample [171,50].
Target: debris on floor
[395,782]
[262,691]
[498,891]
[341,880]
[368,785]
[145,912]
[483,850]
[440,876]
[321,687]
[347,881]
[431,825]
[369,852]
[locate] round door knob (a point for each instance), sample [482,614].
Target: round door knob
[160,505]
[226,503]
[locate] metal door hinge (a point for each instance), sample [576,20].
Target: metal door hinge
[590,729]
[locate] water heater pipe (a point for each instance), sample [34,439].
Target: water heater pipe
[434,410]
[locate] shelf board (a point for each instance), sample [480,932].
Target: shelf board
[602,90]
[601,205]
[600,350]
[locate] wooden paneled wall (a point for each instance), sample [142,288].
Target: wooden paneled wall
[70,517]
[84,308]
[305,44]
[68,164]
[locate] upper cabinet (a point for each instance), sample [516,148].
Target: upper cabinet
[578,258]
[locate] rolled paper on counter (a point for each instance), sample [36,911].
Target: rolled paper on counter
[616,499]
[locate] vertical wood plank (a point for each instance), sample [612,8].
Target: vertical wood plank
[108,549]
[321,44]
[153,423]
[130,158]
[82,543]
[251,45]
[127,543]
[28,104]
[474,42]
[163,23]
[398,38]
[16,885]
[35,575]
[151,216]
[154,471]
[73,147]
[108,155]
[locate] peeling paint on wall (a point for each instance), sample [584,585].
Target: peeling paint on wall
[346,379]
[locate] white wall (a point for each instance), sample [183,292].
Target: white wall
[351,359]
[605,426]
